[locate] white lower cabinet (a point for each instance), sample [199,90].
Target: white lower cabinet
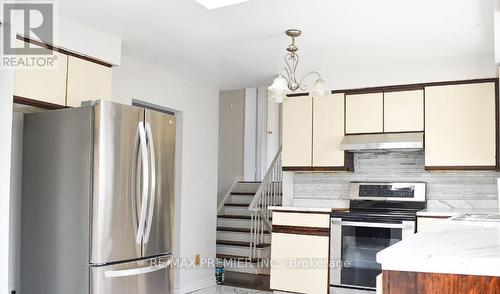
[429,224]
[299,254]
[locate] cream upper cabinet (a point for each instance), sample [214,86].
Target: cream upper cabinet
[404,111]
[460,125]
[46,84]
[297,131]
[364,113]
[328,130]
[87,81]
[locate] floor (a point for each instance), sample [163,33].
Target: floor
[243,280]
[231,290]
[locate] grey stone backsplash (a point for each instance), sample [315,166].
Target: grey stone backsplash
[460,189]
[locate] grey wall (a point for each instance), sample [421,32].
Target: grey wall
[231,138]
[444,189]
[15,201]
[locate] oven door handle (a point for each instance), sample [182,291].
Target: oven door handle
[404,225]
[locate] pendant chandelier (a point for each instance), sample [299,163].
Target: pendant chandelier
[286,82]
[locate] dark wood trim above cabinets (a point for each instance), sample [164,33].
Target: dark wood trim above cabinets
[64,51]
[318,168]
[37,103]
[309,231]
[404,87]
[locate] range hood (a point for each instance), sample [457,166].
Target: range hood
[383,142]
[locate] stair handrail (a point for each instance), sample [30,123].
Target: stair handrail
[268,194]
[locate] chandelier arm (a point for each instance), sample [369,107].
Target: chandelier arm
[287,74]
[290,67]
[308,74]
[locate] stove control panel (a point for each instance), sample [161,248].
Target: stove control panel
[388,191]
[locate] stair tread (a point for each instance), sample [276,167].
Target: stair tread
[239,230]
[237,204]
[234,216]
[243,193]
[249,182]
[240,243]
[238,257]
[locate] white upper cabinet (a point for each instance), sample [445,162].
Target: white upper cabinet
[404,111]
[460,126]
[87,81]
[328,130]
[364,113]
[45,84]
[297,132]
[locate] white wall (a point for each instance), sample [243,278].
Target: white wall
[250,135]
[196,196]
[409,72]
[6,88]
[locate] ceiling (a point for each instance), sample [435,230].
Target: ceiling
[243,45]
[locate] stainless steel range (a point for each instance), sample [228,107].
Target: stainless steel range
[380,215]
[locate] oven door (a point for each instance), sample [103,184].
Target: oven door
[354,246]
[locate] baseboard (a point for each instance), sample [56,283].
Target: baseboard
[195,286]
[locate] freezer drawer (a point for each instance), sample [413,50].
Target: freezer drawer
[146,276]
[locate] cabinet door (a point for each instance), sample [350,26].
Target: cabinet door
[46,84]
[404,111]
[328,130]
[297,131]
[364,113]
[87,81]
[429,224]
[460,126]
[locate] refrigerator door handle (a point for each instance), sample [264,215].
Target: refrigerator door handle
[152,192]
[133,181]
[137,271]
[145,183]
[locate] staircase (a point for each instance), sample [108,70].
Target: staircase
[244,222]
[233,231]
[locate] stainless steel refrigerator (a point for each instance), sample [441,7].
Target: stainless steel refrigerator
[97,201]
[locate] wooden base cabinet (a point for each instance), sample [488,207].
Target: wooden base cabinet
[396,282]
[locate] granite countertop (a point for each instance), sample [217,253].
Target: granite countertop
[449,212]
[459,247]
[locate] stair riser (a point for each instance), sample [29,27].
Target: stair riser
[237,236]
[240,199]
[233,223]
[247,187]
[236,210]
[241,251]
